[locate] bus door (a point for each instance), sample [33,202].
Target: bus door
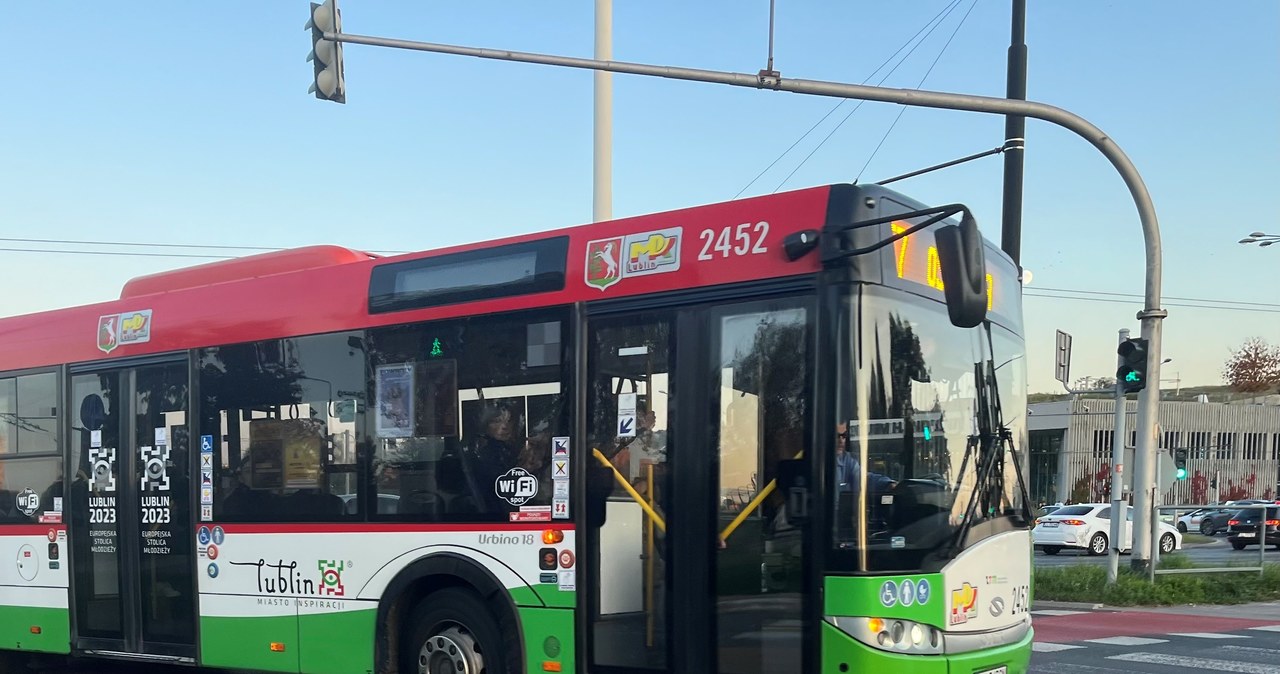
[688,413]
[130,512]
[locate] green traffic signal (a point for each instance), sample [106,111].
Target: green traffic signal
[1132,373]
[1180,463]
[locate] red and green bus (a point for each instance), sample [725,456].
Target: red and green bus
[775,434]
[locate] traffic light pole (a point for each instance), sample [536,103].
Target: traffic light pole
[1117,478]
[1151,315]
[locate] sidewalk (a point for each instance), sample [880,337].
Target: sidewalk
[1269,610]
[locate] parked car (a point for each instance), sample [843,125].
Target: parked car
[1208,521]
[1086,526]
[1243,529]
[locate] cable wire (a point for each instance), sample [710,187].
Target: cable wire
[1165,304]
[903,110]
[1136,295]
[945,10]
[831,133]
[135,243]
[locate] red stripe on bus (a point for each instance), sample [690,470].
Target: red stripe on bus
[383,527]
[29,529]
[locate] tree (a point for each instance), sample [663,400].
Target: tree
[1254,367]
[1095,383]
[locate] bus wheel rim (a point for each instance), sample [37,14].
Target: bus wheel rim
[451,651]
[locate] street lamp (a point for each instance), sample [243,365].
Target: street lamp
[1261,239]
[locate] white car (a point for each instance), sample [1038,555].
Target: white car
[1086,526]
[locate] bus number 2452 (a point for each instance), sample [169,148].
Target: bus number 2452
[744,239]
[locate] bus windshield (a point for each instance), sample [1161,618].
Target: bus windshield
[926,451]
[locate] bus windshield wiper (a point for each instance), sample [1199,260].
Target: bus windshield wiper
[991,442]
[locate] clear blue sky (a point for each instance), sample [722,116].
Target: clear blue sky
[190,123]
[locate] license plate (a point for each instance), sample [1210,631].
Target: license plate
[1246,534]
[998,670]
[1047,525]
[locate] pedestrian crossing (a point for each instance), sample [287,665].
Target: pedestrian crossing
[1250,651]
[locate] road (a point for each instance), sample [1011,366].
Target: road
[1218,552]
[1168,642]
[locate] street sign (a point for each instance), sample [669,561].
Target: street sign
[1062,359]
[1166,470]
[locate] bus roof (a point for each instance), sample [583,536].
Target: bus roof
[320,289]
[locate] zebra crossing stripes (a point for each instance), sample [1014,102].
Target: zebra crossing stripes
[1190,662]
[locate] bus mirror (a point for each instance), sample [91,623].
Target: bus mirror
[599,486]
[793,483]
[964,272]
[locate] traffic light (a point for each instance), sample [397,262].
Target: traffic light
[326,55]
[1132,375]
[1180,463]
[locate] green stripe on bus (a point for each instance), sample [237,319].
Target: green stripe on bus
[881,597]
[317,643]
[546,594]
[548,637]
[245,642]
[54,623]
[337,643]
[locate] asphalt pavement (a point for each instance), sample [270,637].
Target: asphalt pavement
[1179,640]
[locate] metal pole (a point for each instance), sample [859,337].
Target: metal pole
[602,203]
[1119,508]
[1151,315]
[1154,522]
[1015,127]
[1145,455]
[769,64]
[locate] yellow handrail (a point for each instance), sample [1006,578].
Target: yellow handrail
[755,503]
[635,496]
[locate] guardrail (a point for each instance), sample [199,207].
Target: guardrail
[1261,536]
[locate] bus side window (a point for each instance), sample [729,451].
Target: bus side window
[282,417]
[464,412]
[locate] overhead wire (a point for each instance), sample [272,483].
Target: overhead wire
[1037,292]
[950,8]
[1221,307]
[921,84]
[945,10]
[1136,295]
[139,244]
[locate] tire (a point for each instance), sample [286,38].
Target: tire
[1166,544]
[1098,544]
[1206,528]
[451,630]
[1238,546]
[1052,549]
[1182,527]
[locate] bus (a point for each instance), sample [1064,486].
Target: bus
[777,434]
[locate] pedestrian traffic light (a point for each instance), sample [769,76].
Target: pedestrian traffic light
[1180,463]
[1132,375]
[326,55]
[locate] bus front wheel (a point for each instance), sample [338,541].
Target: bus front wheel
[451,631]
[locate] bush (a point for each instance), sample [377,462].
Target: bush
[1088,583]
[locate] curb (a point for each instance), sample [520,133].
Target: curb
[1068,606]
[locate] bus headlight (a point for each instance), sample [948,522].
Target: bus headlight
[892,634]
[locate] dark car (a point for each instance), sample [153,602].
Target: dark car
[1213,521]
[1248,527]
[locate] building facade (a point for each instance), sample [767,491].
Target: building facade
[1233,451]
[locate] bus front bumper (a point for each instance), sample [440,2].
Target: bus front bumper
[842,654]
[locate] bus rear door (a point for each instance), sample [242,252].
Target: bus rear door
[130,512]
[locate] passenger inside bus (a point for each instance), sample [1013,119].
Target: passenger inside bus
[848,480]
